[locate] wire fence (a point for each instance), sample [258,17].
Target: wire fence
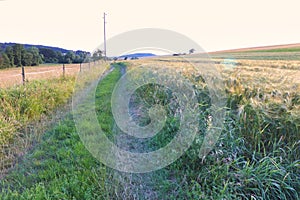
[17,76]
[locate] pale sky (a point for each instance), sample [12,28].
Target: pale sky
[213,24]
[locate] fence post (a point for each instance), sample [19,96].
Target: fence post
[23,74]
[64,70]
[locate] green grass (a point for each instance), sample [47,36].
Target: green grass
[289,55]
[60,167]
[278,50]
[21,109]
[256,157]
[26,103]
[103,102]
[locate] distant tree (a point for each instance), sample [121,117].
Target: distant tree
[70,57]
[191,51]
[97,55]
[19,51]
[10,54]
[49,55]
[59,57]
[77,59]
[1,61]
[81,56]
[42,58]
[36,57]
[17,55]
[27,59]
[4,61]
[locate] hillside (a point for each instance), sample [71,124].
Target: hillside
[137,55]
[33,55]
[26,46]
[272,48]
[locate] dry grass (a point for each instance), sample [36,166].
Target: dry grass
[261,81]
[12,77]
[277,76]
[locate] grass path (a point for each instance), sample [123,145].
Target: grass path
[132,186]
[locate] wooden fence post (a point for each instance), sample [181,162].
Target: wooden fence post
[23,74]
[64,70]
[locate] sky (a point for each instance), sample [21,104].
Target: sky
[213,24]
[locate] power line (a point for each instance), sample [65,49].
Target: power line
[104,19]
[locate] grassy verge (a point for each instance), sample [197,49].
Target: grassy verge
[24,104]
[22,107]
[60,167]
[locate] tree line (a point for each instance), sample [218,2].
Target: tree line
[17,55]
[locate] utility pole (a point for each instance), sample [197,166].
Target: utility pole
[104,18]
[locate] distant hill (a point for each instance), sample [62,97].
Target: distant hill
[138,55]
[272,48]
[26,46]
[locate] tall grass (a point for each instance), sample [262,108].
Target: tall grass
[258,153]
[22,107]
